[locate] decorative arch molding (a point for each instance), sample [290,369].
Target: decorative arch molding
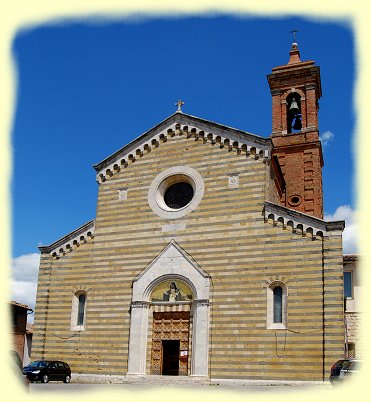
[300,223]
[173,262]
[191,127]
[290,91]
[82,288]
[71,241]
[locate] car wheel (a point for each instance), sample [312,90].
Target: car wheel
[67,379]
[45,379]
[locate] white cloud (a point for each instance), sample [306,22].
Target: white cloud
[327,137]
[26,267]
[24,279]
[350,234]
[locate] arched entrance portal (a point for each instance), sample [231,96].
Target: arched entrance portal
[171,320]
[170,317]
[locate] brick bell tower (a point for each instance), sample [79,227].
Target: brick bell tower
[296,89]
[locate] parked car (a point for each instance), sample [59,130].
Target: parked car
[344,368]
[45,370]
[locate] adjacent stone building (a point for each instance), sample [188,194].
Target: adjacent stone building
[208,256]
[21,333]
[354,347]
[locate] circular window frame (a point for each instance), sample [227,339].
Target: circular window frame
[293,202]
[169,177]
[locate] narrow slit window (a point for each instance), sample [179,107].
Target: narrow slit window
[81,309]
[277,304]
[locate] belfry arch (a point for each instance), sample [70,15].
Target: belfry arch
[173,264]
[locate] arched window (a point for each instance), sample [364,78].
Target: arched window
[293,111]
[78,313]
[277,305]
[81,309]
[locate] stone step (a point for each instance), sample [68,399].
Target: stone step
[168,379]
[148,379]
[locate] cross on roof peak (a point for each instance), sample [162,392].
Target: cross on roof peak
[180,103]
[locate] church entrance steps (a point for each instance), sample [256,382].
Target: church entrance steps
[148,379]
[175,380]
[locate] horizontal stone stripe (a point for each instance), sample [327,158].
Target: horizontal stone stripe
[111,255]
[257,229]
[310,333]
[245,193]
[215,162]
[124,267]
[227,272]
[250,375]
[239,234]
[248,174]
[260,301]
[216,180]
[104,340]
[253,342]
[231,273]
[270,368]
[174,152]
[203,211]
[242,265]
[211,246]
[247,282]
[249,214]
[241,359]
[199,161]
[92,351]
[248,254]
[312,350]
[100,281]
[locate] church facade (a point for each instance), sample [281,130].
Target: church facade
[208,256]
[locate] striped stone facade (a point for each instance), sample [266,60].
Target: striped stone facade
[236,235]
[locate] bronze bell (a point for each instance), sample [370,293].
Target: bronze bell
[294,106]
[297,123]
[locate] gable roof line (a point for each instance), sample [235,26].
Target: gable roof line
[181,250]
[98,166]
[66,243]
[295,218]
[213,130]
[15,303]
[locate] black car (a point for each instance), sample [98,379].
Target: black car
[342,369]
[45,370]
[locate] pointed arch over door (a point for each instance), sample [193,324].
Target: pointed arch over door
[172,263]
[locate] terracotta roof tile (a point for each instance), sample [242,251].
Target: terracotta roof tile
[20,305]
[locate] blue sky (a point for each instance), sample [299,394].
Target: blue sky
[87,88]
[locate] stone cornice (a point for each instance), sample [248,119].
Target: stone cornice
[201,302]
[192,127]
[300,222]
[139,304]
[350,257]
[70,241]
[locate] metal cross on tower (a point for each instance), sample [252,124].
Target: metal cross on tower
[180,103]
[294,31]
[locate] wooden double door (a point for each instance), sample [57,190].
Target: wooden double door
[170,343]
